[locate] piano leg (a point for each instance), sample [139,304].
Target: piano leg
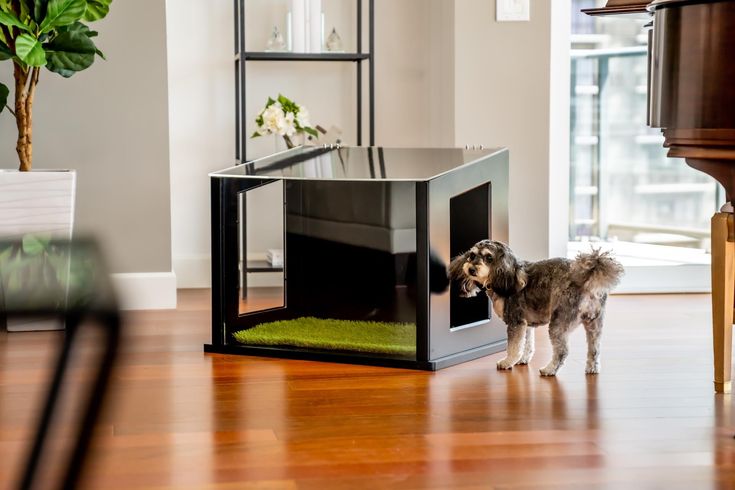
[723,297]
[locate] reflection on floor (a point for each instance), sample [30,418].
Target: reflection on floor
[186,420]
[259,299]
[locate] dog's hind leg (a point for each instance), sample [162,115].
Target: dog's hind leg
[516,338]
[558,334]
[530,346]
[593,329]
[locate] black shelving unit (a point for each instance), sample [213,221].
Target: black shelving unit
[261,266]
[242,57]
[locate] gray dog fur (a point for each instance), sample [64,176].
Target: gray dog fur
[559,292]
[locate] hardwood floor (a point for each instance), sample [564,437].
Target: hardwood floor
[179,418]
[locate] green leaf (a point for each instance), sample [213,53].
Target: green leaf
[40,7]
[29,50]
[62,13]
[10,19]
[4,92]
[78,27]
[97,9]
[26,9]
[255,135]
[5,255]
[34,244]
[70,52]
[81,28]
[312,132]
[5,53]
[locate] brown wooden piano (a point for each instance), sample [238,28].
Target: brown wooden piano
[691,97]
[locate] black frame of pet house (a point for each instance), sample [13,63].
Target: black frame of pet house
[242,56]
[450,211]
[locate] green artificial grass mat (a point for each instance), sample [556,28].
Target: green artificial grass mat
[341,335]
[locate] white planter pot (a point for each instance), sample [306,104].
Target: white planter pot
[36,202]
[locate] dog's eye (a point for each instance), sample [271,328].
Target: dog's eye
[489,257]
[471,256]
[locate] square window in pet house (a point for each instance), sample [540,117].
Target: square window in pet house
[469,222]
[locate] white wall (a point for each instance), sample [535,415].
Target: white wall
[413,62]
[441,74]
[559,128]
[201,98]
[503,97]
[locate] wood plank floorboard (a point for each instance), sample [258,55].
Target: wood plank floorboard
[179,418]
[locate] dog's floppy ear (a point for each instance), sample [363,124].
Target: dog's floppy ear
[509,277]
[467,287]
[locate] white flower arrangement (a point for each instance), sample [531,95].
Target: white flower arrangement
[284,117]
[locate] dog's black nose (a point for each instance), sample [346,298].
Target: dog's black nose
[472,270]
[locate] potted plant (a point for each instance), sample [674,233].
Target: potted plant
[38,34]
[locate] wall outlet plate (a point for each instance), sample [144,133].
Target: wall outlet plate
[512,10]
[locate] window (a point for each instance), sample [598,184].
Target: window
[625,193]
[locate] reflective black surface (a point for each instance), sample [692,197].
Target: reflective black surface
[351,250]
[359,163]
[463,234]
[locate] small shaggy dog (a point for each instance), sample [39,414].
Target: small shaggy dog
[559,292]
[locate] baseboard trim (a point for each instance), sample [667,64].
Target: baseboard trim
[145,290]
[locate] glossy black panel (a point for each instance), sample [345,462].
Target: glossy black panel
[465,206]
[351,250]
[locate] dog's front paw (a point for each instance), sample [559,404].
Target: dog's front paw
[505,363]
[526,359]
[592,368]
[548,371]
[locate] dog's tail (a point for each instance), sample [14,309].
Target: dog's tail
[596,271]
